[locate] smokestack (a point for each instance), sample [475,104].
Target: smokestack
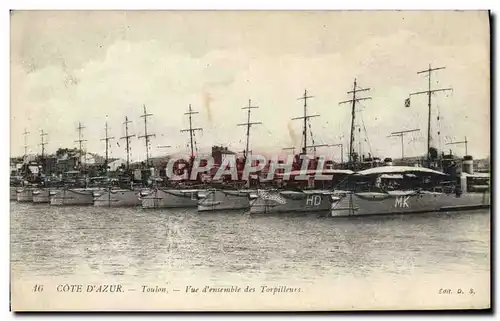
[468,165]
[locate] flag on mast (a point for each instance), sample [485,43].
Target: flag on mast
[407,102]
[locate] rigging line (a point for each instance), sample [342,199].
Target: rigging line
[195,143]
[302,140]
[310,131]
[440,137]
[312,137]
[268,130]
[366,133]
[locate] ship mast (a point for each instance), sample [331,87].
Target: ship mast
[191,130]
[429,93]
[43,143]
[249,124]
[107,139]
[80,141]
[402,134]
[127,140]
[353,101]
[146,136]
[25,143]
[461,142]
[306,117]
[290,148]
[341,151]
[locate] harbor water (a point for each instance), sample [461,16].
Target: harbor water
[135,245]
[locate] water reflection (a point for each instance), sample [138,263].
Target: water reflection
[156,245]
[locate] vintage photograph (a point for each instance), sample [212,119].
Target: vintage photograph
[214,160]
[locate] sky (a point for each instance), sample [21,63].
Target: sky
[95,67]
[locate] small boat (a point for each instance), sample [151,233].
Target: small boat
[170,198]
[403,190]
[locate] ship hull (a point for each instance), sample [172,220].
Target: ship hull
[41,195]
[117,198]
[158,198]
[13,193]
[268,202]
[216,200]
[73,197]
[359,204]
[24,194]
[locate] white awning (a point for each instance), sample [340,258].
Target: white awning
[398,169]
[392,176]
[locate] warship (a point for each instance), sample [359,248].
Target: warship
[405,189]
[228,197]
[181,193]
[126,194]
[300,193]
[31,172]
[439,186]
[170,198]
[77,189]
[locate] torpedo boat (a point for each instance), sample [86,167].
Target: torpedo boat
[170,198]
[74,196]
[232,198]
[220,199]
[404,189]
[304,200]
[121,192]
[117,198]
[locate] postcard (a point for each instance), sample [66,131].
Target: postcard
[249,160]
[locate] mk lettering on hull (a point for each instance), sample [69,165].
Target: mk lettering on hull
[402,202]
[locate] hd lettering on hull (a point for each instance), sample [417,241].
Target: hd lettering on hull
[313,200]
[402,202]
